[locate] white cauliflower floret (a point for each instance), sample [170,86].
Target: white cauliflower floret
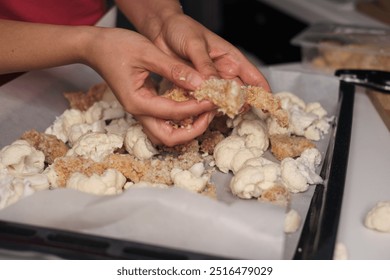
[256,175]
[192,179]
[288,100]
[103,110]
[78,130]
[143,184]
[316,108]
[109,183]
[378,218]
[292,221]
[300,120]
[225,151]
[232,123]
[255,134]
[299,173]
[51,176]
[307,120]
[12,189]
[138,144]
[96,145]
[120,126]
[22,159]
[37,182]
[61,126]
[340,252]
[240,158]
[249,139]
[246,183]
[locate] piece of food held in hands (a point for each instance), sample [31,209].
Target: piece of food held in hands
[266,141]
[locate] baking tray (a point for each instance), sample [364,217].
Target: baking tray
[318,238]
[316,241]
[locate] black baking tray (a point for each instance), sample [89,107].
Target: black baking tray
[319,232]
[318,237]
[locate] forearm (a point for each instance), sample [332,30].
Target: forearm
[28,46]
[148,15]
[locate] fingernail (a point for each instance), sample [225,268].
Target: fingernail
[211,116]
[195,80]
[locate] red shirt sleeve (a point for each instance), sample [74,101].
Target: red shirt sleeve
[67,12]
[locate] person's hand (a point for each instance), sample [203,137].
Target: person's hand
[183,37]
[125,59]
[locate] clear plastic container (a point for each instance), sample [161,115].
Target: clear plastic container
[332,46]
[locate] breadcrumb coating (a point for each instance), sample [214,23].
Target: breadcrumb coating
[50,145]
[264,100]
[82,101]
[277,194]
[283,145]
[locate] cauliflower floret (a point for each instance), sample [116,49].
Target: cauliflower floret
[51,176]
[138,144]
[96,145]
[249,139]
[121,125]
[255,176]
[21,158]
[246,183]
[12,189]
[192,179]
[340,252]
[289,100]
[292,221]
[61,126]
[225,151]
[78,130]
[37,182]
[103,110]
[255,134]
[307,120]
[143,184]
[109,183]
[240,158]
[299,173]
[316,108]
[378,218]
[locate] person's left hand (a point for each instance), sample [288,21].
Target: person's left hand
[211,55]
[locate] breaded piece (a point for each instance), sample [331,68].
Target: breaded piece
[283,145]
[66,166]
[50,145]
[264,100]
[209,140]
[130,166]
[277,194]
[179,95]
[225,94]
[82,101]
[192,146]
[230,98]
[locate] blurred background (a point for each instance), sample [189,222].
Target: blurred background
[263,29]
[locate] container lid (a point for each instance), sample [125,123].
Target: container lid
[357,38]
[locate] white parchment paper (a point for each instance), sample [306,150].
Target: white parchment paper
[228,227]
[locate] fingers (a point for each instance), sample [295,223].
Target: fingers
[161,132]
[198,53]
[250,75]
[147,103]
[174,70]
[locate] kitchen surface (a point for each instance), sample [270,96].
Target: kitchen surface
[264,30]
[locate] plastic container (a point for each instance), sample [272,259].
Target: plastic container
[332,46]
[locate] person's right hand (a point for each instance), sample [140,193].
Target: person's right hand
[125,59]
